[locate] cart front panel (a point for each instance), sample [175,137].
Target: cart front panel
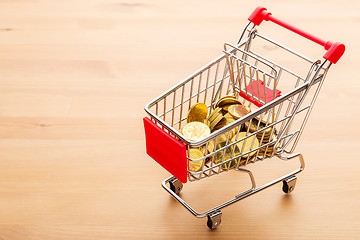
[165,150]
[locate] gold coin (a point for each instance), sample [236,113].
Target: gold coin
[267,154]
[216,121]
[253,127]
[195,166]
[223,122]
[197,113]
[195,131]
[214,116]
[243,160]
[226,103]
[227,119]
[226,96]
[213,113]
[264,135]
[247,144]
[231,120]
[262,149]
[225,108]
[228,116]
[231,132]
[226,154]
[266,139]
[207,122]
[269,150]
[227,100]
[267,146]
[222,98]
[273,139]
[249,109]
[223,138]
[211,146]
[209,149]
[238,111]
[266,118]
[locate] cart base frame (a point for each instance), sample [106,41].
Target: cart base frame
[174,186]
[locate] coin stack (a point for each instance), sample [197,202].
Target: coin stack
[226,110]
[249,144]
[195,130]
[225,102]
[266,135]
[222,156]
[215,117]
[270,148]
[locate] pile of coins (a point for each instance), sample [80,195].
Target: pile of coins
[227,109]
[266,135]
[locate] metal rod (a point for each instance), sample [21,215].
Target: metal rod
[240,196]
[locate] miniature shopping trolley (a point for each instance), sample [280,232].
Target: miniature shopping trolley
[281,97]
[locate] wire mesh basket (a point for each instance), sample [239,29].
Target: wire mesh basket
[278,98]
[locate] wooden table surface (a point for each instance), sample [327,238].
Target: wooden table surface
[74,79]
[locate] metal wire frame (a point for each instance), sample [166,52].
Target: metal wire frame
[253,190]
[220,78]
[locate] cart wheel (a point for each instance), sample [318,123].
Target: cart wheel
[289,184]
[214,220]
[176,186]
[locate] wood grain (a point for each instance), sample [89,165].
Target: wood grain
[74,79]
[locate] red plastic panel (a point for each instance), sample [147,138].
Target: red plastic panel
[166,150]
[253,90]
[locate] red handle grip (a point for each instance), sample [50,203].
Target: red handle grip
[334,50]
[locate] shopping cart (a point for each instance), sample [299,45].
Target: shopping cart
[280,95]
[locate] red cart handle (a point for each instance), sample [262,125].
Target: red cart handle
[334,50]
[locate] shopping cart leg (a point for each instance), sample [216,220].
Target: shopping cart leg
[214,214]
[214,219]
[289,184]
[175,185]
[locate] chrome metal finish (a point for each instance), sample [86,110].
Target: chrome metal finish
[289,184]
[285,48]
[175,185]
[231,74]
[242,195]
[214,220]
